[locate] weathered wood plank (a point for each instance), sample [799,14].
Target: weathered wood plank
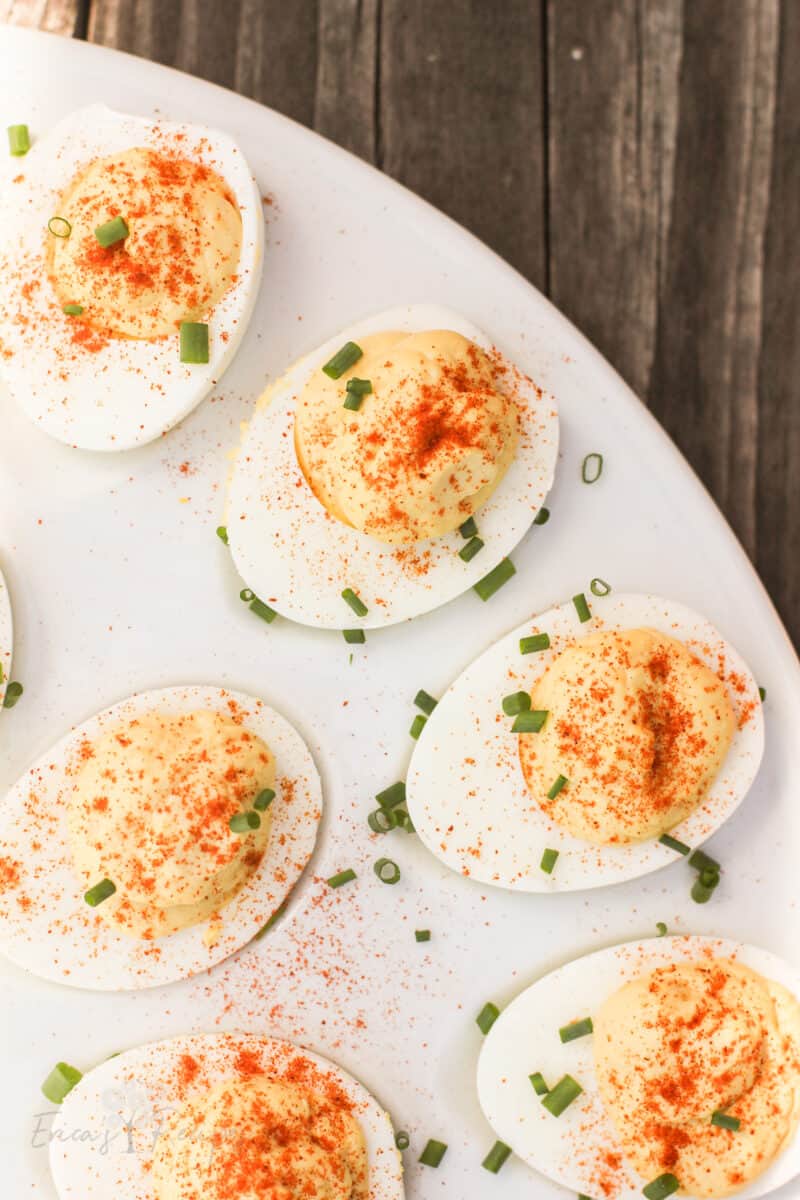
[54,16]
[348,74]
[778,491]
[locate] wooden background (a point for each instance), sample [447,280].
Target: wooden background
[638,160]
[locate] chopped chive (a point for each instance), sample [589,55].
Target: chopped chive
[262,610]
[673,844]
[359,387]
[263,800]
[402,1140]
[701,861]
[542,516]
[661,926]
[538,1084]
[534,643]
[599,587]
[433,1153]
[473,547]
[246,595]
[529,722]
[342,360]
[60,227]
[19,140]
[100,892]
[562,1095]
[560,783]
[469,529]
[60,1082]
[13,693]
[762,693]
[662,1187]
[517,702]
[383,820]
[422,935]
[487,1017]
[705,885]
[582,608]
[417,725]
[243,822]
[72,310]
[496,1157]
[194,342]
[336,881]
[492,582]
[577,1029]
[356,603]
[352,401]
[592,467]
[111,232]
[222,533]
[425,701]
[549,860]
[279,911]
[392,796]
[723,1121]
[404,820]
[354,637]
[387,870]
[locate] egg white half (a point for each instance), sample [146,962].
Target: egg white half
[137,1088]
[298,558]
[46,925]
[466,792]
[6,638]
[524,1039]
[131,391]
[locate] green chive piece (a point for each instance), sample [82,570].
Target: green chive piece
[352,401]
[473,547]
[72,310]
[433,1153]
[701,861]
[542,516]
[529,722]
[359,387]
[673,844]
[549,860]
[492,582]
[417,726]
[661,926]
[246,595]
[534,643]
[243,822]
[336,881]
[599,587]
[662,1187]
[404,821]
[387,870]
[425,701]
[723,1121]
[577,1029]
[19,140]
[422,935]
[263,800]
[354,637]
[496,1157]
[560,783]
[469,529]
[100,892]
[194,342]
[402,1140]
[279,911]
[487,1017]
[538,1084]
[582,608]
[592,467]
[342,360]
[762,692]
[562,1095]
[263,610]
[356,603]
[383,820]
[111,232]
[13,693]
[517,702]
[60,227]
[60,1082]
[705,885]
[222,534]
[392,796]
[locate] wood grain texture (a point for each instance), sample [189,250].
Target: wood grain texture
[347,80]
[54,16]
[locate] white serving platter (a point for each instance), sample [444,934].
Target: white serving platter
[119,584]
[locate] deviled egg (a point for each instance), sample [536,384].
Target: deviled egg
[220,1116]
[665,1066]
[6,638]
[155,839]
[399,463]
[588,747]
[130,264]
